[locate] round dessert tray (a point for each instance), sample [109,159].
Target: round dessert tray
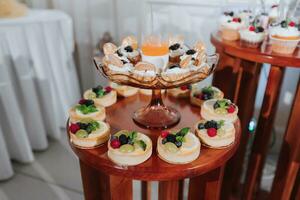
[155,168]
[101,176]
[156,115]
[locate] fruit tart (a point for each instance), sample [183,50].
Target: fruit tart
[180,92]
[86,108]
[129,148]
[176,49]
[223,109]
[178,147]
[101,96]
[88,133]
[215,134]
[197,97]
[123,90]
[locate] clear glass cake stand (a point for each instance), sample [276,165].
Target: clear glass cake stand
[156,115]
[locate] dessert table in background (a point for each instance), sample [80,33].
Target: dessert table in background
[242,67]
[38,83]
[102,179]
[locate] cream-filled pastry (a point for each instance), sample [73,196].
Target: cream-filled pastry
[194,58]
[86,108]
[197,97]
[215,134]
[223,109]
[174,73]
[129,148]
[117,65]
[176,49]
[124,90]
[180,92]
[101,96]
[178,147]
[129,49]
[109,48]
[89,133]
[144,71]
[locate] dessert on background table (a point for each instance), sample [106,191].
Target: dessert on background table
[88,133]
[180,92]
[86,108]
[129,148]
[178,147]
[284,37]
[253,35]
[273,13]
[124,90]
[222,109]
[215,134]
[198,96]
[101,96]
[230,28]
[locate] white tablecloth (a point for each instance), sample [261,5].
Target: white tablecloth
[38,83]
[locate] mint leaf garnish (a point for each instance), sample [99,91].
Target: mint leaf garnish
[184,131]
[86,109]
[142,144]
[132,136]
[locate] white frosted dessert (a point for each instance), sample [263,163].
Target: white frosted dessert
[123,90]
[198,96]
[89,133]
[101,96]
[223,109]
[230,29]
[178,147]
[215,134]
[252,36]
[176,49]
[273,13]
[129,148]
[246,16]
[174,73]
[86,108]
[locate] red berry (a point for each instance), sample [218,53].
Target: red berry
[108,89]
[82,101]
[251,28]
[115,143]
[211,132]
[236,19]
[292,24]
[274,6]
[199,96]
[184,87]
[73,128]
[231,109]
[164,134]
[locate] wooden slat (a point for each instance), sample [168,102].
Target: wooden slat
[168,190]
[146,190]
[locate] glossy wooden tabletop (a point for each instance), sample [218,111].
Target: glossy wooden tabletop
[262,54]
[119,117]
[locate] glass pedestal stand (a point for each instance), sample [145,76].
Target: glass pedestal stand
[156,115]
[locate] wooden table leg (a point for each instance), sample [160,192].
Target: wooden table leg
[289,159]
[245,100]
[207,186]
[146,190]
[263,133]
[168,190]
[98,186]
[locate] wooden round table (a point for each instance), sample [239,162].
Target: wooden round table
[242,67]
[102,179]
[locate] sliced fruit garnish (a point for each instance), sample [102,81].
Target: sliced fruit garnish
[82,133]
[221,132]
[171,147]
[221,111]
[91,95]
[127,148]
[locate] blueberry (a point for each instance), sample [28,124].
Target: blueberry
[174,46]
[89,102]
[259,29]
[178,143]
[123,139]
[164,141]
[128,49]
[82,125]
[124,61]
[231,13]
[211,124]
[190,52]
[193,59]
[201,126]
[171,138]
[216,105]
[205,96]
[119,53]
[174,66]
[283,24]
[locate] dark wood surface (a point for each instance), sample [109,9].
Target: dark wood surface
[242,67]
[119,117]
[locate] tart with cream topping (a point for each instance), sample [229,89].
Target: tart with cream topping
[215,134]
[178,147]
[89,133]
[197,97]
[223,109]
[182,91]
[123,90]
[176,49]
[144,71]
[86,108]
[101,96]
[129,148]
[230,29]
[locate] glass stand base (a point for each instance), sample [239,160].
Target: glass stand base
[156,115]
